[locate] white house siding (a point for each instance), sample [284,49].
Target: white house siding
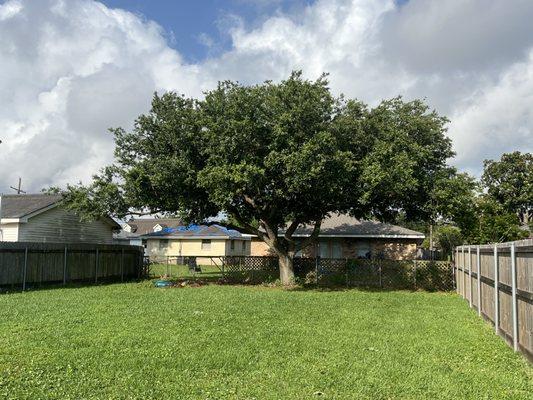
[10,232]
[58,225]
[193,247]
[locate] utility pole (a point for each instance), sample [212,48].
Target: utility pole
[18,188]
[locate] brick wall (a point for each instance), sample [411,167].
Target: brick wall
[396,249]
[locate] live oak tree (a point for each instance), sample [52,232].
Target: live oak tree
[272,157]
[509,182]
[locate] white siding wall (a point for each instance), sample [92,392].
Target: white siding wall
[10,232]
[58,225]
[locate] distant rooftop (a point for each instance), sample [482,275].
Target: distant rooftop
[197,231]
[345,225]
[143,226]
[21,205]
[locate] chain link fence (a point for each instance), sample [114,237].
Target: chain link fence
[331,272]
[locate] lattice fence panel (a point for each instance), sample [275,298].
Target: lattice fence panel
[434,275]
[251,269]
[388,274]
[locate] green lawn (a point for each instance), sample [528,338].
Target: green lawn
[208,272]
[134,341]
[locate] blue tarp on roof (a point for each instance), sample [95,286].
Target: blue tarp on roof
[197,230]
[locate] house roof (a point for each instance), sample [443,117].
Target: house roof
[144,226]
[18,206]
[347,226]
[21,205]
[197,232]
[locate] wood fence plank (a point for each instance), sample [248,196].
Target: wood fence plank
[27,264]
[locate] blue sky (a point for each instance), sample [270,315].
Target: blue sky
[190,24]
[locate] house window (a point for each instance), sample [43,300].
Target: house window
[244,245]
[324,249]
[363,250]
[336,249]
[206,244]
[299,252]
[232,244]
[163,245]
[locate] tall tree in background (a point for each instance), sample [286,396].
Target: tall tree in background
[494,223]
[509,182]
[272,157]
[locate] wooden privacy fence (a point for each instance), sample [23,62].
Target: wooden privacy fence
[497,281]
[380,273]
[27,264]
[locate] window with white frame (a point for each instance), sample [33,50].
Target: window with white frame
[163,244]
[206,244]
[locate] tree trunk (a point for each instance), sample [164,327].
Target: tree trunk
[286,270]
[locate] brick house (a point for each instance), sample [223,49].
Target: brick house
[342,236]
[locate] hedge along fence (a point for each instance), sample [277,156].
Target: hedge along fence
[497,281]
[26,264]
[388,274]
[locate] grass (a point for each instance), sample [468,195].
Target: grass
[133,341]
[208,272]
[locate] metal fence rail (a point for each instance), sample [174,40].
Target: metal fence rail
[29,264]
[497,281]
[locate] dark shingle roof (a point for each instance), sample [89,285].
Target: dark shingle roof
[344,225]
[20,205]
[144,226]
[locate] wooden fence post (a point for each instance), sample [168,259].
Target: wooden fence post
[496,292]
[515,305]
[25,272]
[470,275]
[65,266]
[454,270]
[478,261]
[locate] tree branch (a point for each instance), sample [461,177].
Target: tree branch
[312,238]
[270,232]
[250,201]
[243,225]
[141,213]
[291,229]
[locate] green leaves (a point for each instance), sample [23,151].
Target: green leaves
[270,154]
[510,183]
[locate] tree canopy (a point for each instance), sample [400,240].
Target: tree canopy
[272,156]
[509,182]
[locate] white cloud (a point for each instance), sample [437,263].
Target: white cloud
[497,119]
[71,69]
[9,9]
